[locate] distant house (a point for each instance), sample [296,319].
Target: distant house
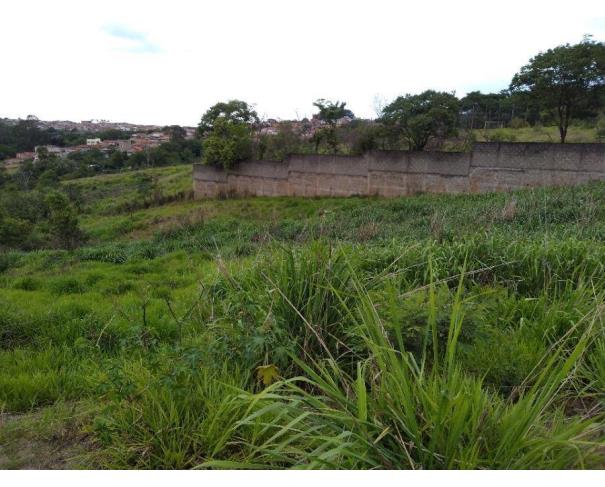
[125,145]
[23,156]
[55,150]
[96,141]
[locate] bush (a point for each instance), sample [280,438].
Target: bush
[518,123]
[500,135]
[228,144]
[600,127]
[63,221]
[279,146]
[174,420]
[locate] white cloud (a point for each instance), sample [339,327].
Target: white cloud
[130,40]
[167,62]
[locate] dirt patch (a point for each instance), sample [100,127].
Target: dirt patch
[44,440]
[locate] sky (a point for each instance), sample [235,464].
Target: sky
[167,62]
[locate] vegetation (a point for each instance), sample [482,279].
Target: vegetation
[142,329]
[329,113]
[562,86]
[228,143]
[233,112]
[424,332]
[25,135]
[420,117]
[566,79]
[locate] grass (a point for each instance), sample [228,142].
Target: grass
[425,332]
[576,134]
[396,411]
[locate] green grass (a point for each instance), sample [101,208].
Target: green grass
[575,134]
[425,332]
[397,411]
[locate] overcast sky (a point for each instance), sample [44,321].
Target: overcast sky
[166,62]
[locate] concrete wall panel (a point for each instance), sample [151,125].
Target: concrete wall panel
[488,167]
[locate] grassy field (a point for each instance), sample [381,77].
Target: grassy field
[537,134]
[426,332]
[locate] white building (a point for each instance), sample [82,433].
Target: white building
[96,141]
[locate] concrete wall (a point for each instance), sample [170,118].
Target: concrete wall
[488,167]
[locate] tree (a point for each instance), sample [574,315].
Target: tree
[146,185]
[329,112]
[175,132]
[3,175]
[280,145]
[228,143]
[420,117]
[233,111]
[6,151]
[476,108]
[14,232]
[568,79]
[63,220]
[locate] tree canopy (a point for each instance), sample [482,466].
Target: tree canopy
[420,117]
[330,111]
[228,143]
[232,111]
[567,79]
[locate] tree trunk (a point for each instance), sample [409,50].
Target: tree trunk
[564,116]
[562,133]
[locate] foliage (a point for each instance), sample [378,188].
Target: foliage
[434,331]
[25,135]
[420,117]
[566,79]
[232,111]
[63,221]
[175,132]
[330,111]
[277,147]
[228,144]
[397,411]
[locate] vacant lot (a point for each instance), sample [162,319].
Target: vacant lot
[426,332]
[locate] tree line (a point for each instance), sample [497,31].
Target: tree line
[555,87]
[24,135]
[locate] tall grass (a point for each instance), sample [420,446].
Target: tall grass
[403,411]
[170,421]
[427,332]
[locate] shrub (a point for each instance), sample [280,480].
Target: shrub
[518,123]
[176,420]
[63,221]
[228,144]
[500,135]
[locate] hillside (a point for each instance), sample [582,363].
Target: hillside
[425,332]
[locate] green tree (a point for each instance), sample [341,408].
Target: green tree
[14,232]
[6,151]
[228,143]
[418,118]
[148,188]
[63,220]
[280,145]
[175,132]
[567,79]
[3,175]
[233,111]
[365,137]
[48,178]
[329,112]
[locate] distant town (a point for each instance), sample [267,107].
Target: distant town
[142,137]
[139,137]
